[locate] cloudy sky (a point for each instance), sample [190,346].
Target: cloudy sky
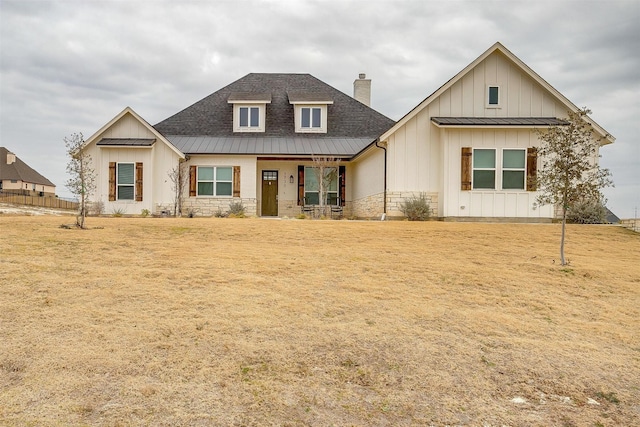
[72,65]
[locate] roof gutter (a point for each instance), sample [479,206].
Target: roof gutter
[384,203]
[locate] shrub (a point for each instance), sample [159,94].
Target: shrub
[416,208]
[145,213]
[96,208]
[236,210]
[587,212]
[220,214]
[117,212]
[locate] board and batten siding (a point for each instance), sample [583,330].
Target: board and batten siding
[487,203]
[425,158]
[156,160]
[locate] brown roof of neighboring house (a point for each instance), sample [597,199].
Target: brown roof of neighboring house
[20,171]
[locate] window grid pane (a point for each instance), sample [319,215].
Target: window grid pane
[513,159]
[244,117]
[484,179]
[306,117]
[493,95]
[484,158]
[125,192]
[222,185]
[255,117]
[125,173]
[316,117]
[513,180]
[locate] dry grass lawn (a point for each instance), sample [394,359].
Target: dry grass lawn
[197,322]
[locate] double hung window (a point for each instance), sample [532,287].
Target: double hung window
[215,181]
[513,169]
[125,182]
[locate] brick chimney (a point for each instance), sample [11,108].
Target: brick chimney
[362,89]
[11,158]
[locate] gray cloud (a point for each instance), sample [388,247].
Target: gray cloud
[71,66]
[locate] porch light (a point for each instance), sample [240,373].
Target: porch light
[290,179]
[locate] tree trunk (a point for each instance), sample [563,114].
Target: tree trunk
[564,223]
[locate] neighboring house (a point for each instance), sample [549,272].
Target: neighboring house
[251,141]
[16,177]
[470,147]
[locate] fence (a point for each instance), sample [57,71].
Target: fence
[43,202]
[632,224]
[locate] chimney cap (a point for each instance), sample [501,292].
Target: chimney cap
[362,76]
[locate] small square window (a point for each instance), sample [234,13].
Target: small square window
[221,185]
[311,117]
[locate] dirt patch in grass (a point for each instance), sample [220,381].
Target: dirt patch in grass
[256,322]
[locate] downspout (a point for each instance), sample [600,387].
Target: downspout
[384,203]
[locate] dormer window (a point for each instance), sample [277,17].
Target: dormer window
[310,111]
[249,111]
[310,117]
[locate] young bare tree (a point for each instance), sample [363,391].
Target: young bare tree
[570,171]
[83,178]
[179,176]
[326,172]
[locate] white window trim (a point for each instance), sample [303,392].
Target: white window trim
[214,181]
[236,117]
[474,168]
[499,104]
[298,118]
[118,185]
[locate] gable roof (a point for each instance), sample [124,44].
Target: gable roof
[210,120]
[130,142]
[20,171]
[524,67]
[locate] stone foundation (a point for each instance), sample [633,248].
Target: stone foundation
[206,207]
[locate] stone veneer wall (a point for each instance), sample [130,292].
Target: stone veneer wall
[367,207]
[395,198]
[208,206]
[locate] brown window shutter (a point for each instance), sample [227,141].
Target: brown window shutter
[300,185]
[532,169]
[236,181]
[112,181]
[342,174]
[193,182]
[138,182]
[465,167]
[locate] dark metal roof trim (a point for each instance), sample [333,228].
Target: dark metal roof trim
[126,142]
[498,121]
[256,145]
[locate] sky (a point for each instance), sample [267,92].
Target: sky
[70,66]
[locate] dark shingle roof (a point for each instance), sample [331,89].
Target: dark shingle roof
[20,171]
[212,116]
[498,121]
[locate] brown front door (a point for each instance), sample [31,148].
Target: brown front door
[269,193]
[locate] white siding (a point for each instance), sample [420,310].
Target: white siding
[425,158]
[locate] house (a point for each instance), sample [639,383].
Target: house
[470,147]
[252,141]
[16,177]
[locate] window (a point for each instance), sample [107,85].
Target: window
[312,188]
[493,96]
[215,181]
[311,117]
[484,169]
[513,169]
[125,189]
[249,117]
